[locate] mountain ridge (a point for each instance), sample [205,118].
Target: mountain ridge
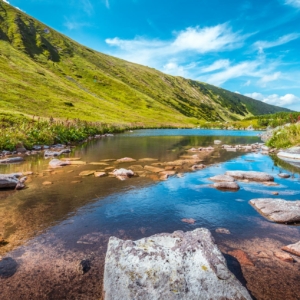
[47,74]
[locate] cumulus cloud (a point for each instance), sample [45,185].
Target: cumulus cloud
[288,100]
[295,3]
[261,45]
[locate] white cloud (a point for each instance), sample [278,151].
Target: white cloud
[107,3]
[6,1]
[270,77]
[295,3]
[247,83]
[261,45]
[186,43]
[217,65]
[73,25]
[288,100]
[174,68]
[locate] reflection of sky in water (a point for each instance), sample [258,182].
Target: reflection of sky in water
[160,207]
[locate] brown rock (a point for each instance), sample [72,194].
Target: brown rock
[147,159]
[99,164]
[169,168]
[169,173]
[275,193]
[283,256]
[77,162]
[70,158]
[87,173]
[154,169]
[242,257]
[226,186]
[99,174]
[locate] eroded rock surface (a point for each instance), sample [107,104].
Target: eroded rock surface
[278,210]
[185,266]
[250,175]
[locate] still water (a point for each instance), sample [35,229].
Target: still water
[74,216]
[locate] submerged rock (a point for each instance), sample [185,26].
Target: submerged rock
[84,266]
[294,248]
[278,210]
[189,221]
[222,230]
[123,173]
[181,265]
[283,256]
[125,159]
[250,175]
[8,267]
[56,153]
[242,257]
[153,169]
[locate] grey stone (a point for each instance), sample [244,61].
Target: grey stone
[221,178]
[226,185]
[284,175]
[8,181]
[250,175]
[8,267]
[11,160]
[278,210]
[179,266]
[54,163]
[49,153]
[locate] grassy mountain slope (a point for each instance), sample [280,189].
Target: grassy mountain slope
[45,73]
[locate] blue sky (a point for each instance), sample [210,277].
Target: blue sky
[251,47]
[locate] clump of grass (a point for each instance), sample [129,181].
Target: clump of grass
[286,137]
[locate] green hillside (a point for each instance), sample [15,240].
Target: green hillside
[46,74]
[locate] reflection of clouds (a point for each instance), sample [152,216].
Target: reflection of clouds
[269,192]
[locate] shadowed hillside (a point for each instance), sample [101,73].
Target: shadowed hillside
[44,73]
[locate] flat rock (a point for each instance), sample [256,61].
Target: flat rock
[270,183]
[226,185]
[100,174]
[147,159]
[70,158]
[222,178]
[169,173]
[76,162]
[136,168]
[181,265]
[153,169]
[56,153]
[283,256]
[278,210]
[87,173]
[242,257]
[250,175]
[98,163]
[125,159]
[293,248]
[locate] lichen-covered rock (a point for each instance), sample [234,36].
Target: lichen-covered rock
[278,210]
[182,266]
[222,178]
[250,175]
[226,185]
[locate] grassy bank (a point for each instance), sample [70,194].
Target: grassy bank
[286,137]
[17,131]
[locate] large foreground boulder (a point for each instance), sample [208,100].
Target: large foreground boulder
[250,175]
[278,210]
[183,266]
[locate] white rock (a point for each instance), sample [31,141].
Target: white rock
[181,266]
[250,175]
[220,178]
[123,172]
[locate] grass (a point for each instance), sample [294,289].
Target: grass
[286,137]
[44,73]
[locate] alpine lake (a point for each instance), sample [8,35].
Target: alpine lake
[47,229]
